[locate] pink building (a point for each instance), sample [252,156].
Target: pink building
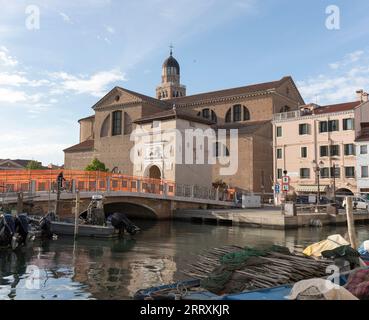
[317,136]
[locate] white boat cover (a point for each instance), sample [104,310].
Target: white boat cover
[326,288]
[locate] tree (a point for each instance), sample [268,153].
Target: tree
[220,184]
[96,165]
[34,165]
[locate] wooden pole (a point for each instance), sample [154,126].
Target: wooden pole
[76,216]
[20,202]
[350,222]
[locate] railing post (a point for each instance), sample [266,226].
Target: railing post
[73,186]
[217,194]
[33,187]
[108,184]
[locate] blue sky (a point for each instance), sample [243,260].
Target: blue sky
[50,77]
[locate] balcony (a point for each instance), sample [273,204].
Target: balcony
[291,115]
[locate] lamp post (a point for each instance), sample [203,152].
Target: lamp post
[334,183]
[317,167]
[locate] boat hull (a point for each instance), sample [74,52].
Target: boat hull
[67,229]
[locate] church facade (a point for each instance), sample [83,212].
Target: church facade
[107,134]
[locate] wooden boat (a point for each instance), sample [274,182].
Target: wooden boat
[84,230]
[94,223]
[190,290]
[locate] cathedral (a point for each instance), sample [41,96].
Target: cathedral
[106,135]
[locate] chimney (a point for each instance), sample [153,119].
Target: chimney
[359,94]
[362,96]
[365,97]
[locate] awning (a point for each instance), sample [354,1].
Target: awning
[311,188]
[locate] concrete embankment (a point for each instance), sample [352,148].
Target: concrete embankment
[265,218]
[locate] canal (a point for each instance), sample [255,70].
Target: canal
[115,269]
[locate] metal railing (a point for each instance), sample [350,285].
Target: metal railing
[45,181]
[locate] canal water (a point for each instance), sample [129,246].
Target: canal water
[116,269]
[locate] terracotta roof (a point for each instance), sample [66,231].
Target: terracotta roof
[248,127]
[175,113]
[143,97]
[87,145]
[87,118]
[337,107]
[230,92]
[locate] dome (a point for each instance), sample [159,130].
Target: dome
[171,63]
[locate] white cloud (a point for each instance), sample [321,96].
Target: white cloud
[6,59]
[341,83]
[15,96]
[96,85]
[110,29]
[347,60]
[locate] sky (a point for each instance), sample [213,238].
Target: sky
[58,58]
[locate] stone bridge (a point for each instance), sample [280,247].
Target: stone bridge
[134,204]
[138,197]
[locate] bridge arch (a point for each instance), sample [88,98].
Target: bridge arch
[132,209]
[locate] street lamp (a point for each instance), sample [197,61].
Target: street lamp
[317,167]
[334,183]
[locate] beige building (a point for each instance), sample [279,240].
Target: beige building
[106,134]
[318,136]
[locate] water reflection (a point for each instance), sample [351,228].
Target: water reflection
[115,269]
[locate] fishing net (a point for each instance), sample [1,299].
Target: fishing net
[223,278]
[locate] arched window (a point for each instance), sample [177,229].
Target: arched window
[228,117]
[117,123]
[208,114]
[239,112]
[214,117]
[285,109]
[246,114]
[220,150]
[127,123]
[105,127]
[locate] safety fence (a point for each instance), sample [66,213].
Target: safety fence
[38,181]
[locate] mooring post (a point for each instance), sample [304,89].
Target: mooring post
[76,216]
[20,202]
[350,222]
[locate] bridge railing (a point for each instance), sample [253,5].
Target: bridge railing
[38,181]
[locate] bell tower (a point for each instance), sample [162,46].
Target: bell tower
[170,86]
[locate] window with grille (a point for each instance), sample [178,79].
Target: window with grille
[117,123]
[304,173]
[304,152]
[304,128]
[236,113]
[349,149]
[364,149]
[350,172]
[324,151]
[334,150]
[279,153]
[348,124]
[279,131]
[364,172]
